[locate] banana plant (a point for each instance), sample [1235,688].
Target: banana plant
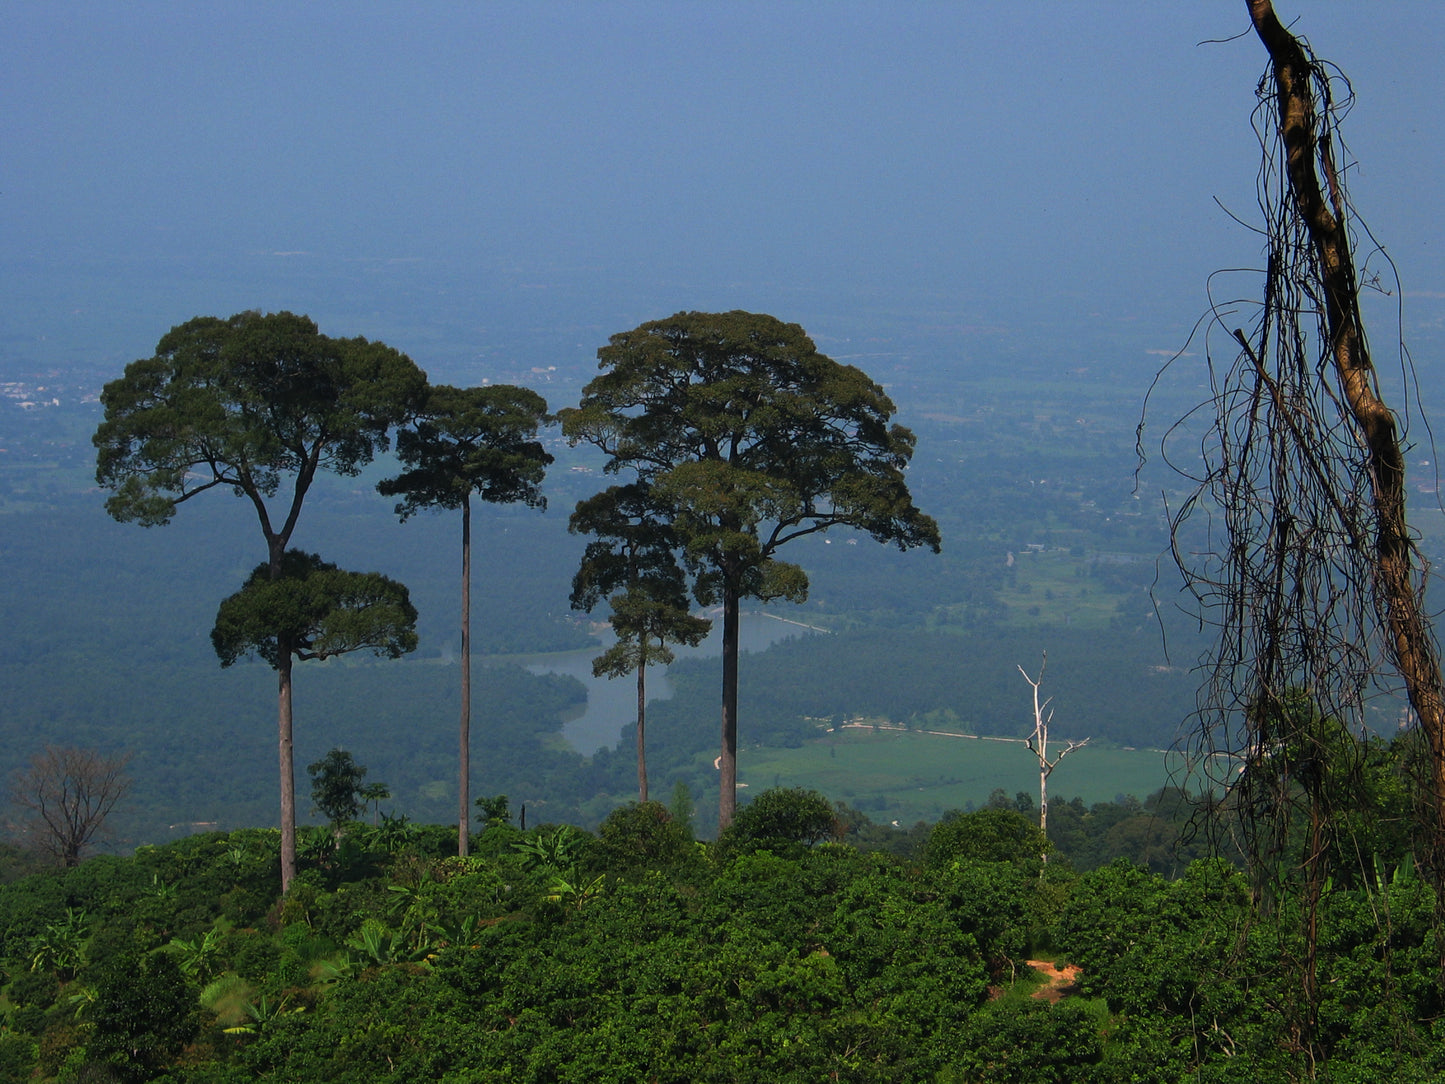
[197,958]
[456,933]
[378,943]
[555,850]
[334,969]
[263,1014]
[576,892]
[556,854]
[81,999]
[315,846]
[393,834]
[61,946]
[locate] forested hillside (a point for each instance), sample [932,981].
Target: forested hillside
[772,955]
[109,627]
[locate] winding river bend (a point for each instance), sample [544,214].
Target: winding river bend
[612,702]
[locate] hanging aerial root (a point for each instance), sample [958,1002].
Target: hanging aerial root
[1294,542]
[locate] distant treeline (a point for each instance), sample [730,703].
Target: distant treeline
[107,645]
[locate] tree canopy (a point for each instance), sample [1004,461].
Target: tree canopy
[317,610]
[744,437]
[241,403]
[469,441]
[751,438]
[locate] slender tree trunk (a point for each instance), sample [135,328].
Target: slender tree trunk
[728,761]
[1044,805]
[288,775]
[641,725]
[1411,642]
[276,544]
[464,759]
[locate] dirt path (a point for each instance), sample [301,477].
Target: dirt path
[1063,981]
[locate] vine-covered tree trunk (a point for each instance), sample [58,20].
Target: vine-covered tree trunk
[1410,639]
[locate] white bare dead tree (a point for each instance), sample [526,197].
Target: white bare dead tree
[1038,743]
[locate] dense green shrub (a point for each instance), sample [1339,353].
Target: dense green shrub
[18,1055]
[783,819]
[990,835]
[642,835]
[557,955]
[1030,1042]
[144,1014]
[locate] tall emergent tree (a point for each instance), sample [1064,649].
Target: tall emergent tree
[243,404]
[466,441]
[743,437]
[312,610]
[633,564]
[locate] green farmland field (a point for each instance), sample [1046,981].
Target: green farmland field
[908,776]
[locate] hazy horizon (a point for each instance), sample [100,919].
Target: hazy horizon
[504,185]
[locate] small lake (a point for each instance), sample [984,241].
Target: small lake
[612,702]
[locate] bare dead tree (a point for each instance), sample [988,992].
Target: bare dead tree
[65,797]
[1038,743]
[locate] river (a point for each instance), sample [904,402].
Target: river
[612,702]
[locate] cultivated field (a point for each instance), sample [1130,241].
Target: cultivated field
[907,776]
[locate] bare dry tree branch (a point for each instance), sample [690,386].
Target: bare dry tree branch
[1038,743]
[65,797]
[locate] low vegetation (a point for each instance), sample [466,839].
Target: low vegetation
[793,949]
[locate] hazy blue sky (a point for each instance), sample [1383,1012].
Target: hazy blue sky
[395,168]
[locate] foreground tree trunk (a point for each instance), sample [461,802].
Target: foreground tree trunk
[641,727]
[728,759]
[464,754]
[1410,640]
[287,772]
[276,544]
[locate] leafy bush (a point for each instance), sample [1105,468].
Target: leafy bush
[145,1012]
[780,819]
[642,835]
[1030,1042]
[990,835]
